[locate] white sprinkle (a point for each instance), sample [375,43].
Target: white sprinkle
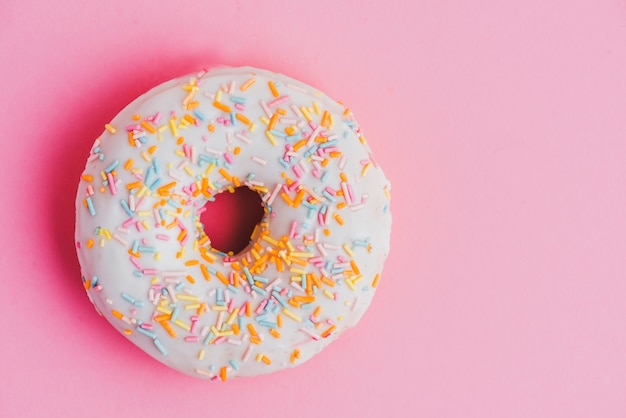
[243,138]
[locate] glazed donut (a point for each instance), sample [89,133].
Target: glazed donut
[313,262]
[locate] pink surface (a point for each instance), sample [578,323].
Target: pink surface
[501,126]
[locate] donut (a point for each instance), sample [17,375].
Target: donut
[313,262]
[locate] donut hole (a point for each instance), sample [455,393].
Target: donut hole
[230,219]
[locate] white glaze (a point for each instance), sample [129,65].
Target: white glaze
[114,232]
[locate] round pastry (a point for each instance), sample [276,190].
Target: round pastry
[313,262]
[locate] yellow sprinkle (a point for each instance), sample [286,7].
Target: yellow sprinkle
[190,298]
[110,128]
[292,315]
[316,108]
[173,127]
[201,354]
[182,325]
[348,250]
[270,137]
[329,295]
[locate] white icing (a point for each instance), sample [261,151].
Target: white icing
[133,294]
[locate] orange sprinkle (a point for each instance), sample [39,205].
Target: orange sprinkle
[190,119]
[295,356]
[338,218]
[223,374]
[247,84]
[221,106]
[317,311]
[225,174]
[192,263]
[136,117]
[242,119]
[168,328]
[117,314]
[87,177]
[148,127]
[89,243]
[355,268]
[328,331]
[252,330]
[273,121]
[274,333]
[376,279]
[237,150]
[222,278]
[129,164]
[180,140]
[273,88]
[190,279]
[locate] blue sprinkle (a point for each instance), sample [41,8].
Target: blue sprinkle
[128,297]
[328,144]
[174,314]
[112,166]
[238,99]
[232,288]
[294,137]
[101,157]
[146,332]
[279,134]
[155,183]
[259,290]
[268,324]
[145,249]
[90,206]
[137,273]
[138,303]
[199,115]
[329,196]
[149,172]
[280,299]
[208,338]
[233,363]
[261,279]
[160,347]
[232,118]
[126,208]
[324,176]
[283,163]
[246,272]
[156,166]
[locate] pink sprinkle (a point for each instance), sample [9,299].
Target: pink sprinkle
[131,128]
[219,340]
[278,101]
[112,184]
[193,338]
[135,262]
[292,231]
[239,106]
[128,222]
[163,237]
[228,158]
[296,170]
[149,271]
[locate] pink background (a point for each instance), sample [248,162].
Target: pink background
[502,126]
